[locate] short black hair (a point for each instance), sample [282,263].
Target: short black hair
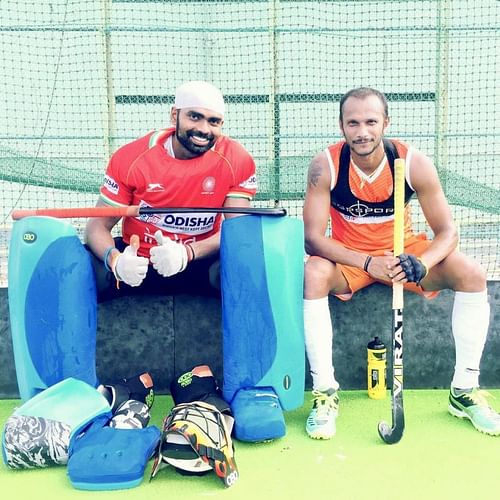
[361,93]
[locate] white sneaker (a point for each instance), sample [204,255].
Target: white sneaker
[321,420]
[473,405]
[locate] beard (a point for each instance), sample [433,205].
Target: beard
[184,137]
[366,152]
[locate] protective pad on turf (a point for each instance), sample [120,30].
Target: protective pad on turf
[106,458]
[39,432]
[257,415]
[30,442]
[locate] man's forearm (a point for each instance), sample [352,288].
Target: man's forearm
[335,252]
[442,245]
[206,247]
[98,239]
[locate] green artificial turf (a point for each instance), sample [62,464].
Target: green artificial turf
[439,457]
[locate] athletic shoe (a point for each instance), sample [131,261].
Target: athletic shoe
[473,405]
[321,420]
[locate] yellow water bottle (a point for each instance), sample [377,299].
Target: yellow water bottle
[377,369]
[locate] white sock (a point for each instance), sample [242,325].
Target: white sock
[470,320]
[318,337]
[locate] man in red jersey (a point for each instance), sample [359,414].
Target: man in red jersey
[191,164]
[351,184]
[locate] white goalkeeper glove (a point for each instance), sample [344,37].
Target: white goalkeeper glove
[169,257]
[128,267]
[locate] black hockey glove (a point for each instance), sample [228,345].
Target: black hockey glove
[414,269]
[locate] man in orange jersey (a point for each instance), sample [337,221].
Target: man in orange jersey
[351,184]
[190,164]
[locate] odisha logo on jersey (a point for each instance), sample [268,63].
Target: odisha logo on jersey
[189,221]
[208,185]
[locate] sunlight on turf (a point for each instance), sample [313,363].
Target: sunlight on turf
[436,458]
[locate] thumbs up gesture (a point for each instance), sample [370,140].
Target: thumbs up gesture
[168,257]
[128,267]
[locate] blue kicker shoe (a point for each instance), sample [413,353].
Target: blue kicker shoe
[321,420]
[473,405]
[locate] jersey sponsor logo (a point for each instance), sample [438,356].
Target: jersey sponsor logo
[154,187]
[111,185]
[367,219]
[250,183]
[192,224]
[361,210]
[208,185]
[189,223]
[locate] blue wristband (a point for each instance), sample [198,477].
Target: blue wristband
[105,258]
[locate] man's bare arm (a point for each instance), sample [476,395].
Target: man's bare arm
[316,216]
[435,207]
[98,232]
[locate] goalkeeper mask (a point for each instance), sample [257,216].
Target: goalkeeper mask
[196,438]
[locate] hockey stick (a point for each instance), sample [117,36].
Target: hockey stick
[393,434]
[136,211]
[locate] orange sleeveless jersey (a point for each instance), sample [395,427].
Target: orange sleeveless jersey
[367,233]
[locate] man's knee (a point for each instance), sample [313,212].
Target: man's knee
[473,277]
[319,274]
[466,274]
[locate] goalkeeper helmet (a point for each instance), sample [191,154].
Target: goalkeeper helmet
[196,438]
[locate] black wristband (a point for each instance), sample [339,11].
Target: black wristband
[367,263]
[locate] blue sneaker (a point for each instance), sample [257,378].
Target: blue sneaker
[321,420]
[473,405]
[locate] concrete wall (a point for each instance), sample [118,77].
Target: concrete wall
[166,335]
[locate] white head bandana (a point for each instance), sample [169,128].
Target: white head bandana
[198,94]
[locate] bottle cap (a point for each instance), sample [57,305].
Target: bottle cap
[376,343]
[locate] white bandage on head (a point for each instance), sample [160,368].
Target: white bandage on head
[198,94]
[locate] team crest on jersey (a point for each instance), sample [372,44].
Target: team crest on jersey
[208,185]
[111,185]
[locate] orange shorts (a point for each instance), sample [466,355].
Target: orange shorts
[358,279]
